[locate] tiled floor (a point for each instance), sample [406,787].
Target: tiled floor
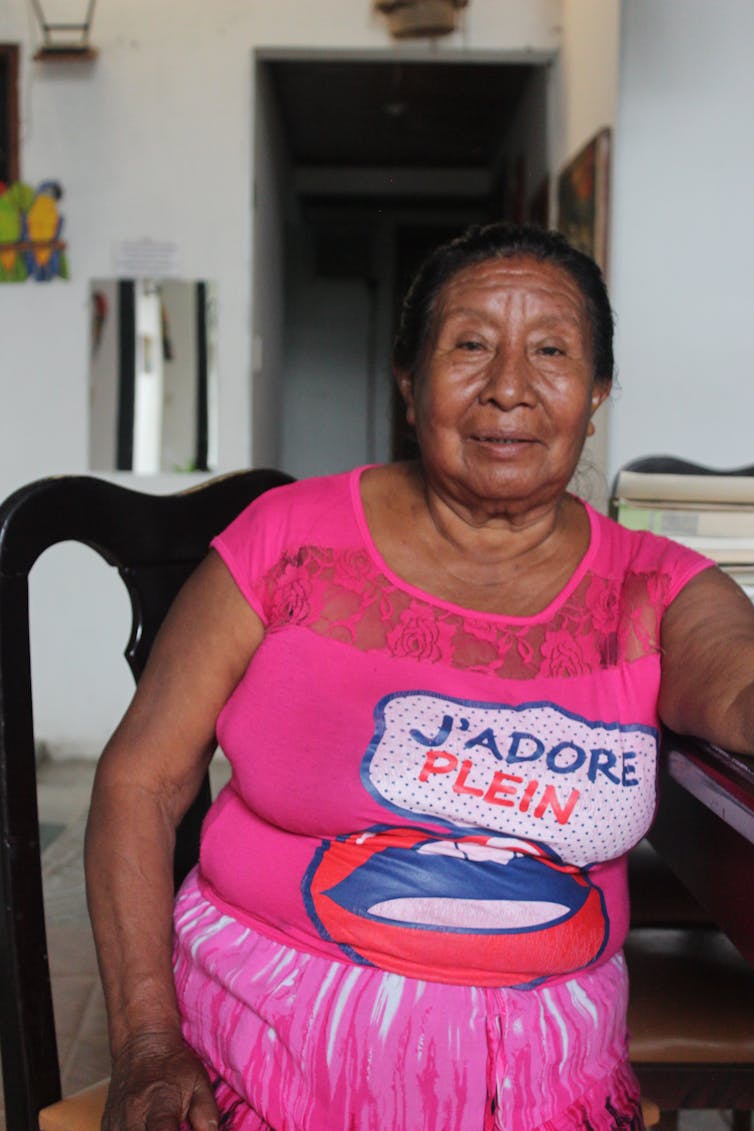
[64,789]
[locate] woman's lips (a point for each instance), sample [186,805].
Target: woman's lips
[503,445]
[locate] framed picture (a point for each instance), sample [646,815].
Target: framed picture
[9,170]
[583,198]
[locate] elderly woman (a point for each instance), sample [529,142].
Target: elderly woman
[439,685]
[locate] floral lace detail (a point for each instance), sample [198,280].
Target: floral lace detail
[343,596]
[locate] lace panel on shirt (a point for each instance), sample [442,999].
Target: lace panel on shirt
[343,596]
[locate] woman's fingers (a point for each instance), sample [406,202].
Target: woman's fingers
[158,1084]
[203,1113]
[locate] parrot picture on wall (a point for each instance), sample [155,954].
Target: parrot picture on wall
[30,227]
[45,256]
[13,267]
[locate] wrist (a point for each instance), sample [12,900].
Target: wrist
[146,1017]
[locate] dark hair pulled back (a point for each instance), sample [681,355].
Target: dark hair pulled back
[499,241]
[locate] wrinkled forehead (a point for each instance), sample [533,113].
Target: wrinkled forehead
[544,288]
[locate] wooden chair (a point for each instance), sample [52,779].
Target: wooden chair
[691,1012]
[154,542]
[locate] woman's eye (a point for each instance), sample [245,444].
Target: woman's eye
[470,344]
[551,351]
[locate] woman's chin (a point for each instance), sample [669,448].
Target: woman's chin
[508,479]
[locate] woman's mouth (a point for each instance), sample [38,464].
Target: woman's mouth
[499,441]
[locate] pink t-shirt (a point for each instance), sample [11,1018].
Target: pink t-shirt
[435,791]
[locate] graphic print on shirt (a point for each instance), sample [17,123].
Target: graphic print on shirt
[511,794]
[408,900]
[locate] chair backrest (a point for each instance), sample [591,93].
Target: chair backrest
[154,541]
[674,465]
[671,465]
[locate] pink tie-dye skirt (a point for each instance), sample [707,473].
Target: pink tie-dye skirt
[296,1042]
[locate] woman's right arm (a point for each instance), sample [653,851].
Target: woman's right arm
[147,777]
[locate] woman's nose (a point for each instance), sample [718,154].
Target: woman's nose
[508,381]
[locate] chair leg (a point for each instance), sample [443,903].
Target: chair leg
[741,1121]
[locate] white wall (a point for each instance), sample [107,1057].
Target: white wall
[683,243]
[586,74]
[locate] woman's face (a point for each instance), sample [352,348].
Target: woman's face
[503,400]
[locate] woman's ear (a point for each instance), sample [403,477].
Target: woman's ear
[405,382]
[600,393]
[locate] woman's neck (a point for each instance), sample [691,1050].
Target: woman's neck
[508,563]
[497,529]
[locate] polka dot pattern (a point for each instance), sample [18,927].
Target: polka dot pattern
[535,771]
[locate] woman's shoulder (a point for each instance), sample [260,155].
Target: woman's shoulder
[631,552]
[302,499]
[278,525]
[314,510]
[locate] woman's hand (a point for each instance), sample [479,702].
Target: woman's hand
[157,1084]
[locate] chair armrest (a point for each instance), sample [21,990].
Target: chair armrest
[82,1112]
[650,1112]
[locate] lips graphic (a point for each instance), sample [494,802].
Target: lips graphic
[474,909]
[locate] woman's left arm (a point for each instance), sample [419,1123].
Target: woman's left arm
[707,686]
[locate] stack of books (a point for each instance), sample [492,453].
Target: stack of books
[713,514]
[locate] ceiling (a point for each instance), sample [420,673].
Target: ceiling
[367,113]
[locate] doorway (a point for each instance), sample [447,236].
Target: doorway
[361,167]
